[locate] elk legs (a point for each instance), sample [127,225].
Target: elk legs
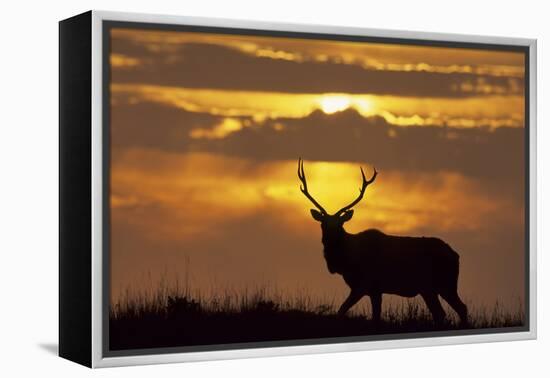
[353,298]
[376,303]
[453,299]
[432,301]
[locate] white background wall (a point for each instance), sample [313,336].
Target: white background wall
[28,200]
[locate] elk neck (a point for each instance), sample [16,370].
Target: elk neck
[333,236]
[335,248]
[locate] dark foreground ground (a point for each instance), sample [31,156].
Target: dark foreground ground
[185,322]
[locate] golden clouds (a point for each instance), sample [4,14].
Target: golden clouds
[220,131]
[493,111]
[371,56]
[123,61]
[212,190]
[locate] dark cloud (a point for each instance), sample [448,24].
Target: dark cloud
[195,65]
[153,125]
[348,136]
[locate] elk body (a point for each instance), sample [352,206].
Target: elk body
[373,263]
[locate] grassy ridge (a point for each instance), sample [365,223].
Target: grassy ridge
[174,317]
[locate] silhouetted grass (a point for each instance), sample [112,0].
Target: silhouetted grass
[170,317]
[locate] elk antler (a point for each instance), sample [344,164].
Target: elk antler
[361,191]
[303,187]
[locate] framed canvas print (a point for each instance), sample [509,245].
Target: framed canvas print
[233,189]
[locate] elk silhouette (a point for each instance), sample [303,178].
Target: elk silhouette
[373,263]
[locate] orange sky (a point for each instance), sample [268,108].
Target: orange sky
[207,128]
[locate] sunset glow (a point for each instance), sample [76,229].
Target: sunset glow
[206,131]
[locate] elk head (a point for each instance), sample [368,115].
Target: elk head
[332,225]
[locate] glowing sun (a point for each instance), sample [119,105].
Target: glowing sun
[334,103]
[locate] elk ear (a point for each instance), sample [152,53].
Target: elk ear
[346,216]
[316,215]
